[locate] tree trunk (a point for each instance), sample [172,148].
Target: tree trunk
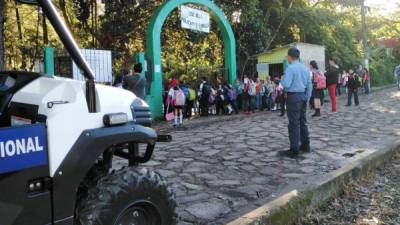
[2,20]
[65,14]
[37,48]
[19,26]
[95,23]
[45,33]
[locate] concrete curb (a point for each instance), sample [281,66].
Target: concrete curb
[301,198]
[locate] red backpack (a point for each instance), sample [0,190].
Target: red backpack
[319,80]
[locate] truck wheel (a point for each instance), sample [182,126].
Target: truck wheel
[126,197]
[91,179]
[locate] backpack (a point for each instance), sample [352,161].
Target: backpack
[240,89]
[211,99]
[213,91]
[180,98]
[232,94]
[276,95]
[246,85]
[264,90]
[252,89]
[186,92]
[192,94]
[206,89]
[358,81]
[319,80]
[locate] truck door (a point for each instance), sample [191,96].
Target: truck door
[24,171]
[25,197]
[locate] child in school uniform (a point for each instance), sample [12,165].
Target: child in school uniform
[270,94]
[177,100]
[353,84]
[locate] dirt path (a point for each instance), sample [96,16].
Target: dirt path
[375,200]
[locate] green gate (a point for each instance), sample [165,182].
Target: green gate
[153,47]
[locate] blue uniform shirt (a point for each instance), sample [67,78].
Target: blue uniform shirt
[297,79]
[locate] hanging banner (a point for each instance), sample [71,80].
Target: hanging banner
[195,19]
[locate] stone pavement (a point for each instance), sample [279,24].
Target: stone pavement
[225,169]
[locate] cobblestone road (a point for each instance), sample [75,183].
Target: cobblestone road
[224,169]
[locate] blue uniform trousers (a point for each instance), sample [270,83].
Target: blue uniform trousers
[296,112]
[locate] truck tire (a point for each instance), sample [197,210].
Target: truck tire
[90,180]
[126,197]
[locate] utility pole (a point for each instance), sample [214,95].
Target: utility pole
[365,34]
[365,39]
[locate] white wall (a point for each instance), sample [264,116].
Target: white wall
[311,52]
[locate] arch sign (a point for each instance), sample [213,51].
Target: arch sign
[153,47]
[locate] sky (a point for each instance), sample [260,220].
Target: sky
[383,5]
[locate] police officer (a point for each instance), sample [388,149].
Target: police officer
[298,86]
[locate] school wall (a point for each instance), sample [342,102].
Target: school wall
[311,52]
[275,56]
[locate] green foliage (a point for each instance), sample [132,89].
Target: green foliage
[323,25]
[201,50]
[123,30]
[252,27]
[264,24]
[2,5]
[382,67]
[24,46]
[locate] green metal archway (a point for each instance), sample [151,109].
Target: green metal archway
[153,47]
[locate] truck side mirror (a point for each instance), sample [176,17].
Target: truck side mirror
[31,2]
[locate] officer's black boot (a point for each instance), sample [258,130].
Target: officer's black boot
[305,148]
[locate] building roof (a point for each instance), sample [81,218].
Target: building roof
[389,43]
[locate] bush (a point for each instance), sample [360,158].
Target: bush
[382,68]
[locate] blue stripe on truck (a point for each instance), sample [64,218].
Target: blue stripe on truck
[23,147]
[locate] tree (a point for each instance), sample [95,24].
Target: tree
[2,20]
[324,24]
[250,20]
[123,28]
[258,25]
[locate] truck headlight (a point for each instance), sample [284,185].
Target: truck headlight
[114,119]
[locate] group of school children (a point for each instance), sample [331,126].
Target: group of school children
[246,95]
[182,101]
[257,94]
